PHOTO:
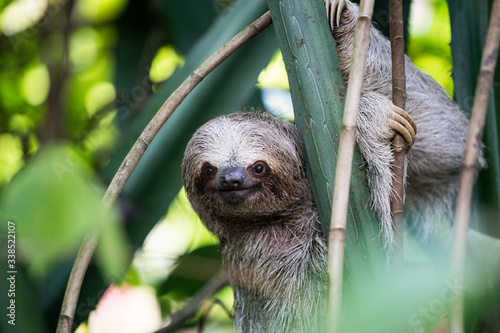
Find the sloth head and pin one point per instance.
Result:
(245, 167)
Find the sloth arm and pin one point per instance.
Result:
(379, 119)
(398, 120)
(374, 138)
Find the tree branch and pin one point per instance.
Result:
(78, 271)
(398, 143)
(344, 162)
(128, 165)
(470, 162)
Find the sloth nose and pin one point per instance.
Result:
(232, 178)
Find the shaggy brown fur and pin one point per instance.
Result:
(244, 175)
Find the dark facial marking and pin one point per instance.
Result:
(209, 169)
(207, 174)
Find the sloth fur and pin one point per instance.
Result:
(434, 162)
(245, 177)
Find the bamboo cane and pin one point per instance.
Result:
(344, 162)
(398, 143)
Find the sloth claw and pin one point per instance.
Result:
(334, 9)
(402, 123)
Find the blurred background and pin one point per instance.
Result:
(80, 79)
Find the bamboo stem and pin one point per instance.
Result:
(344, 162)
(128, 165)
(398, 143)
(470, 162)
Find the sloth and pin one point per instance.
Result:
(245, 177)
(434, 162)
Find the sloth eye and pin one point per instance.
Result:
(259, 168)
(209, 170)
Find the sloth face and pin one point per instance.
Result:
(245, 166)
(234, 184)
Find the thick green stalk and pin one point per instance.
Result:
(309, 53)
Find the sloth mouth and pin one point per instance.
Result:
(237, 195)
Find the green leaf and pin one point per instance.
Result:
(413, 302)
(484, 253)
(469, 24)
(112, 250)
(53, 201)
(418, 300)
(482, 286)
(309, 53)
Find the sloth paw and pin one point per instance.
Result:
(402, 123)
(334, 9)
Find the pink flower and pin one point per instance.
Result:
(126, 309)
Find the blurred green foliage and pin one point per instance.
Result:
(431, 51)
(43, 207)
(79, 79)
